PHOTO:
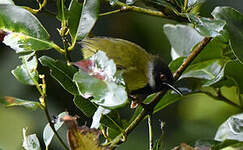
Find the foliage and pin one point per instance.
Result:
(205, 51)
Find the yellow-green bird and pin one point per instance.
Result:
(143, 73)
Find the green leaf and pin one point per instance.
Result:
(97, 116)
(107, 94)
(61, 72)
(234, 25)
(90, 13)
(231, 129)
(113, 2)
(193, 3)
(87, 107)
(12, 101)
(75, 10)
(205, 26)
(24, 32)
(7, 2)
(30, 142)
(236, 76)
(48, 132)
(181, 46)
(27, 72)
(224, 144)
(210, 63)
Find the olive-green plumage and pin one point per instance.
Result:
(142, 71)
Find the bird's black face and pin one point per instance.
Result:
(158, 74)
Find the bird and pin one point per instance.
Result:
(143, 72)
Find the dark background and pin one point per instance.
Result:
(196, 117)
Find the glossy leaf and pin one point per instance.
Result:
(231, 73)
(88, 18)
(24, 32)
(106, 94)
(130, 2)
(209, 64)
(27, 72)
(181, 46)
(97, 78)
(61, 72)
(97, 116)
(87, 107)
(234, 25)
(48, 132)
(205, 26)
(112, 2)
(193, 3)
(231, 129)
(12, 101)
(7, 2)
(75, 10)
(30, 142)
(224, 144)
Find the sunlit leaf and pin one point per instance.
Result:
(181, 46)
(61, 72)
(112, 2)
(12, 101)
(30, 142)
(234, 25)
(106, 94)
(88, 18)
(27, 72)
(130, 2)
(24, 32)
(205, 26)
(99, 80)
(6, 2)
(192, 3)
(82, 138)
(97, 116)
(224, 144)
(75, 10)
(231, 129)
(87, 107)
(48, 132)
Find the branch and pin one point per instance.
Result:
(124, 8)
(148, 108)
(44, 104)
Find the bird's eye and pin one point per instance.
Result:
(163, 77)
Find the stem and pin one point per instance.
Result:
(220, 97)
(44, 104)
(111, 12)
(185, 5)
(191, 57)
(148, 108)
(150, 132)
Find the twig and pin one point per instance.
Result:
(220, 97)
(125, 8)
(150, 132)
(44, 104)
(191, 57)
(149, 107)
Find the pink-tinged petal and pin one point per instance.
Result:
(2, 35)
(85, 65)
